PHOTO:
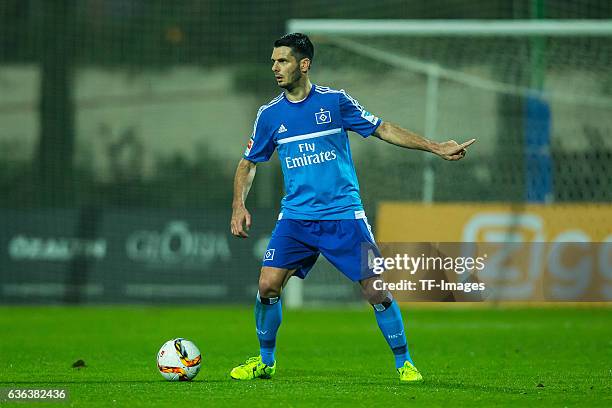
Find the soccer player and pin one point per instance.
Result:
(322, 211)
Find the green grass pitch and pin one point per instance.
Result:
(468, 356)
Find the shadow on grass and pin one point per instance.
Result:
(392, 381)
(472, 387)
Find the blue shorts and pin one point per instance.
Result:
(347, 244)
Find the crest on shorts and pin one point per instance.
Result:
(269, 255)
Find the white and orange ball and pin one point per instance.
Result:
(179, 360)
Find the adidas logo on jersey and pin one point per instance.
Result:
(282, 128)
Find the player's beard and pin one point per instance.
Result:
(293, 80)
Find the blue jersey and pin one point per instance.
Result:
(313, 147)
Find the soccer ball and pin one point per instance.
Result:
(179, 360)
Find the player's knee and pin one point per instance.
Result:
(269, 286)
(373, 295)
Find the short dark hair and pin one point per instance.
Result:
(299, 43)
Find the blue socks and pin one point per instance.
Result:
(268, 316)
(390, 321)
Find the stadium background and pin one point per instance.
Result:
(122, 122)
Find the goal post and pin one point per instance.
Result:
(358, 37)
(473, 78)
(425, 28)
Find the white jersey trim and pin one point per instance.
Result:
(309, 136)
(263, 108)
(364, 114)
(361, 215)
(324, 90)
(301, 100)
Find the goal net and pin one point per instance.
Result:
(519, 87)
(537, 96)
(123, 121)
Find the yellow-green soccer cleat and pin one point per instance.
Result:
(409, 373)
(253, 368)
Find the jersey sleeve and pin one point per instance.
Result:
(261, 144)
(355, 117)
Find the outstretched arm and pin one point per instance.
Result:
(394, 134)
(241, 218)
